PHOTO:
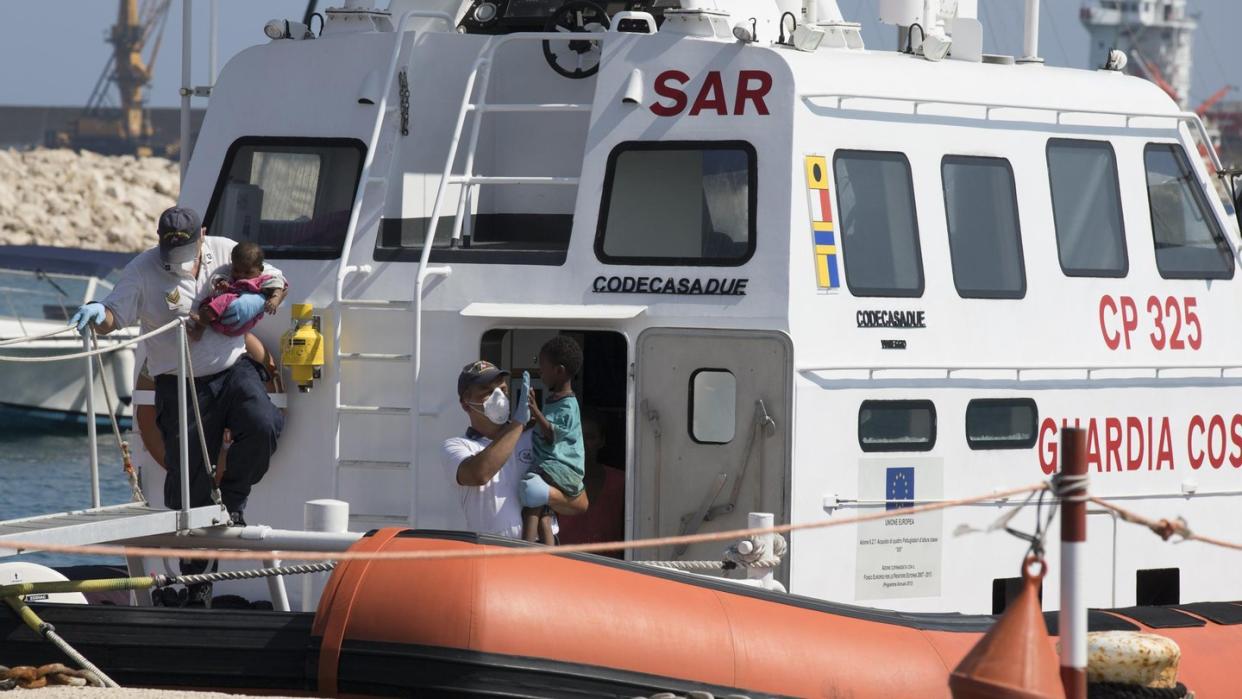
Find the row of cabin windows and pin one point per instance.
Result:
(694, 203)
(910, 425)
(880, 236)
(883, 425)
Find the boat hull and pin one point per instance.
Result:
(566, 626)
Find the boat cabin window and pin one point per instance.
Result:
(897, 425)
(1086, 208)
(984, 241)
(292, 196)
(1001, 423)
(713, 406)
(678, 203)
(879, 228)
(1189, 241)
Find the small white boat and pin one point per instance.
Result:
(40, 287)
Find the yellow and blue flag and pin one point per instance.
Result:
(822, 229)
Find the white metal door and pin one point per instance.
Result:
(712, 432)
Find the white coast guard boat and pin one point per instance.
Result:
(810, 278)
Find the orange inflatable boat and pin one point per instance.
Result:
(580, 625)
(564, 626)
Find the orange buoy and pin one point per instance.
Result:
(1016, 658)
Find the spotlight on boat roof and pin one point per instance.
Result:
(744, 31)
(277, 29)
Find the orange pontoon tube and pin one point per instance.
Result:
(588, 626)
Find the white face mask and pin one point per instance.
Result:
(496, 407)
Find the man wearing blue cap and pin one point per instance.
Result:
(166, 283)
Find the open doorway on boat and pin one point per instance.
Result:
(601, 390)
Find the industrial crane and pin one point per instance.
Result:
(126, 129)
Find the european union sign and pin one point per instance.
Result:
(899, 484)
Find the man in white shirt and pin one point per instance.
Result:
(165, 283)
(489, 463)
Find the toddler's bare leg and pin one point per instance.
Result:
(546, 535)
(530, 523)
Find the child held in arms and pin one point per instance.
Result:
(244, 276)
(557, 441)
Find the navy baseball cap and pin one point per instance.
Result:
(179, 231)
(477, 373)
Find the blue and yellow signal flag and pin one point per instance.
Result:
(822, 230)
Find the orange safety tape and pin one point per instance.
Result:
(731, 535)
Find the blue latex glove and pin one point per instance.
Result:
(243, 309)
(521, 410)
(88, 314)
(533, 491)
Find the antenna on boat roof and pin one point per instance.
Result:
(952, 26)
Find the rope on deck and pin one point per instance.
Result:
(102, 350)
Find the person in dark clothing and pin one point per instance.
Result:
(167, 282)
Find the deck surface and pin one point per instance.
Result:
(103, 524)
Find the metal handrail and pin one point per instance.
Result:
(344, 269)
(1191, 118)
(468, 106)
(89, 354)
(950, 369)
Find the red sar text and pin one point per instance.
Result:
(750, 89)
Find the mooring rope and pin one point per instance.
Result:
(208, 463)
(91, 353)
(1165, 528)
(31, 338)
(127, 463)
(491, 552)
(48, 631)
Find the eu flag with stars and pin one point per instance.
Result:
(900, 486)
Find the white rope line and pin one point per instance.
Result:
(494, 551)
(209, 464)
(32, 338)
(103, 350)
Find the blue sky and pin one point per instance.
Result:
(51, 51)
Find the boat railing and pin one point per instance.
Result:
(89, 353)
(1191, 119)
(947, 372)
(54, 291)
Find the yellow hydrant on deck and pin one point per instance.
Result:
(301, 347)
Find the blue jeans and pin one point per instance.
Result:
(234, 399)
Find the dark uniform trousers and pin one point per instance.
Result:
(234, 399)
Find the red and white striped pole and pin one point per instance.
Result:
(1073, 615)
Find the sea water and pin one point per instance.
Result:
(46, 469)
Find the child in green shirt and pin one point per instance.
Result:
(557, 441)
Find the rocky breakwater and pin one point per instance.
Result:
(83, 200)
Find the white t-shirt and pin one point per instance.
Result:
(151, 295)
(492, 508)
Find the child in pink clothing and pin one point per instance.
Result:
(245, 276)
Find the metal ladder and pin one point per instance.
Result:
(469, 181)
(365, 214)
(479, 76)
